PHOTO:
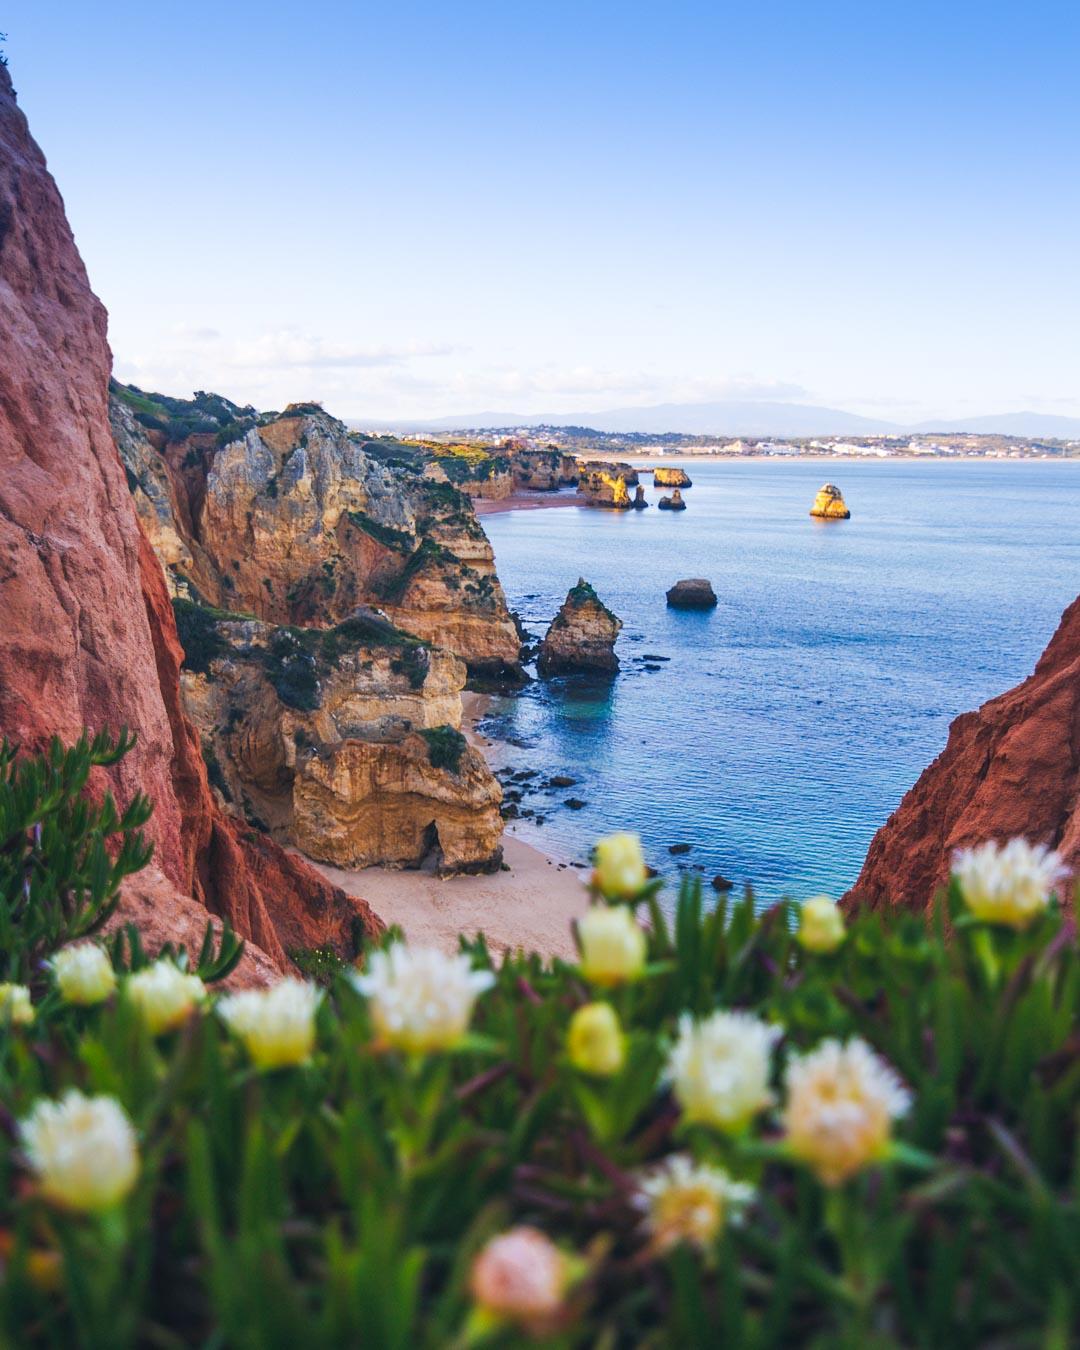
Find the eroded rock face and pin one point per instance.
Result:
(829, 504)
(605, 486)
(692, 593)
(88, 638)
(298, 522)
(673, 503)
(1010, 768)
(671, 477)
(543, 470)
(581, 636)
(292, 720)
(357, 802)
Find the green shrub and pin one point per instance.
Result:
(197, 628)
(291, 669)
(445, 746)
(344, 1200)
(398, 540)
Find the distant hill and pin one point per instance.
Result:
(749, 418)
(1045, 425)
(692, 419)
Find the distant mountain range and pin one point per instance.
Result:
(749, 418)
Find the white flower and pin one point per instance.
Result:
(82, 1149)
(719, 1068)
(620, 867)
(165, 995)
(83, 973)
(15, 1005)
(1009, 885)
(613, 945)
(276, 1025)
(841, 1102)
(420, 998)
(690, 1202)
(821, 925)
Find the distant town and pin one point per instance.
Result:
(586, 440)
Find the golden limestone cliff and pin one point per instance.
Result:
(331, 600)
(671, 477)
(829, 504)
(606, 485)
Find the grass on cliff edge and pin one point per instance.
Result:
(343, 1201)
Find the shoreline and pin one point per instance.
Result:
(529, 904)
(525, 501)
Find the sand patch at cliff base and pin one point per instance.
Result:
(530, 907)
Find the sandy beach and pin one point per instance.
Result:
(529, 906)
(525, 501)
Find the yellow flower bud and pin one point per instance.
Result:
(821, 925)
(15, 1005)
(620, 867)
(613, 946)
(83, 974)
(83, 1151)
(165, 995)
(595, 1041)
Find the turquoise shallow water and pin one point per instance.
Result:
(790, 720)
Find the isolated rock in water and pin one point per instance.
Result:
(672, 503)
(88, 638)
(1011, 768)
(692, 593)
(607, 485)
(829, 504)
(582, 635)
(639, 502)
(671, 477)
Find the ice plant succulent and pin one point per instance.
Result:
(690, 1202)
(595, 1042)
(83, 973)
(521, 1278)
(1009, 884)
(82, 1150)
(619, 872)
(821, 925)
(841, 1102)
(421, 999)
(15, 1005)
(276, 1025)
(719, 1069)
(165, 995)
(613, 946)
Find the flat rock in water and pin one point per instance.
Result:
(692, 593)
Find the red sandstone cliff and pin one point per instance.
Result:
(1011, 768)
(88, 636)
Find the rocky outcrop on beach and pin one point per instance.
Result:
(581, 636)
(673, 503)
(280, 711)
(544, 470)
(605, 485)
(671, 477)
(829, 504)
(88, 638)
(692, 593)
(1010, 768)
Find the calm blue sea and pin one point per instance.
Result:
(789, 721)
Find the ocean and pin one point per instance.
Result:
(786, 724)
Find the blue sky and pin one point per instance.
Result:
(413, 209)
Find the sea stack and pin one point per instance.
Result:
(582, 635)
(829, 504)
(692, 593)
(673, 478)
(672, 503)
(639, 502)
